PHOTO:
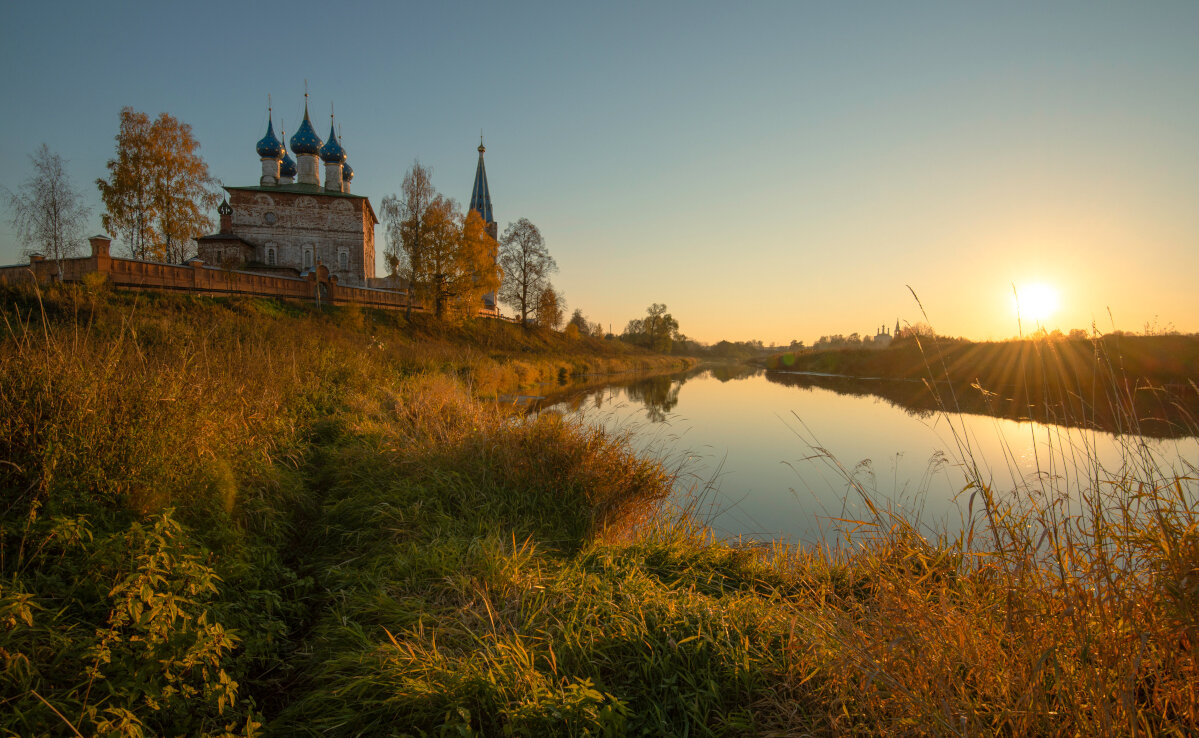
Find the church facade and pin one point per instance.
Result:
(292, 220)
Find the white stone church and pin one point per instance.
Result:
(293, 221)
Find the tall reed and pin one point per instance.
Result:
(1067, 606)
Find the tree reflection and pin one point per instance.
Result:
(729, 372)
(658, 394)
(1142, 410)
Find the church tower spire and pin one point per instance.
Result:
(480, 202)
(480, 196)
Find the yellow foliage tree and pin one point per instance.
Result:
(158, 187)
(551, 307)
(458, 266)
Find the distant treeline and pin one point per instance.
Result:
(1121, 383)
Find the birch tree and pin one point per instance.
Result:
(183, 191)
(47, 211)
(405, 220)
(158, 187)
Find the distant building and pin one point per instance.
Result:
(290, 222)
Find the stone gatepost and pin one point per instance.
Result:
(101, 253)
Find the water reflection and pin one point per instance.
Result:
(659, 395)
(1147, 411)
(785, 457)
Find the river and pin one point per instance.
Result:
(791, 458)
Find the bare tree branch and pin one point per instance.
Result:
(47, 211)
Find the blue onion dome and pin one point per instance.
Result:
(306, 141)
(269, 147)
(288, 167)
(332, 152)
(347, 173)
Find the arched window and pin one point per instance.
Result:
(343, 260)
(270, 257)
(307, 257)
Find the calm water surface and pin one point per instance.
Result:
(773, 457)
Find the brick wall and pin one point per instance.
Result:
(198, 278)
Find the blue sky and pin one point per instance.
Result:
(768, 170)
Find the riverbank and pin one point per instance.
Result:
(224, 515)
(1143, 385)
(1171, 360)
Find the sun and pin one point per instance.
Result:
(1035, 302)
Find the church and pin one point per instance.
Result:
(292, 220)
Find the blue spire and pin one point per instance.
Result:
(480, 196)
(305, 140)
(269, 147)
(332, 152)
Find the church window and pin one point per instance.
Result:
(343, 260)
(307, 257)
(270, 257)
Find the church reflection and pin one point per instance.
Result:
(1154, 412)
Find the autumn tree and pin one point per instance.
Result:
(47, 211)
(456, 264)
(183, 191)
(476, 269)
(405, 216)
(127, 191)
(579, 321)
(656, 331)
(551, 307)
(660, 327)
(447, 258)
(527, 266)
(158, 188)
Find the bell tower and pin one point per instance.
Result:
(480, 196)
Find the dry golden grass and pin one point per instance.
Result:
(223, 514)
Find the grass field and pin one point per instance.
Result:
(231, 518)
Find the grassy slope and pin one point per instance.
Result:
(222, 514)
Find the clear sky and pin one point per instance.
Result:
(769, 170)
